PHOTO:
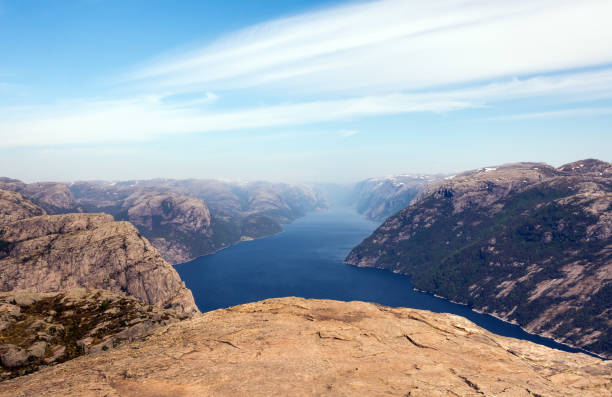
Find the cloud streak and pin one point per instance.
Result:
(396, 45)
(359, 60)
(147, 118)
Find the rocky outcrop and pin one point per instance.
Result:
(379, 198)
(14, 207)
(299, 347)
(50, 253)
(185, 219)
(54, 198)
(526, 242)
(42, 329)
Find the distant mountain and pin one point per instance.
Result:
(379, 198)
(526, 242)
(183, 219)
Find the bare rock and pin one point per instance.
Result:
(53, 197)
(13, 356)
(299, 347)
(14, 207)
(44, 253)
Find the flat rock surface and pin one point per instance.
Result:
(299, 347)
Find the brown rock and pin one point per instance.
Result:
(299, 347)
(59, 252)
(14, 207)
(54, 197)
(48, 253)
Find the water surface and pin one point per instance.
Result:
(306, 260)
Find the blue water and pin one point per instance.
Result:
(306, 260)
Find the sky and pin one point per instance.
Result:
(300, 91)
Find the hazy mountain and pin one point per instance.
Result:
(526, 242)
(183, 219)
(378, 198)
(189, 218)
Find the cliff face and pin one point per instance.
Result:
(379, 198)
(41, 329)
(526, 242)
(299, 347)
(57, 252)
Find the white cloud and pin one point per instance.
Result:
(396, 45)
(347, 133)
(358, 60)
(146, 118)
(575, 112)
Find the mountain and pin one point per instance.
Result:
(379, 198)
(525, 242)
(42, 329)
(55, 198)
(299, 347)
(183, 219)
(48, 253)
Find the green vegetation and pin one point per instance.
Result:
(472, 249)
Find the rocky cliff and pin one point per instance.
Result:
(526, 242)
(54, 198)
(189, 218)
(47, 253)
(379, 198)
(42, 329)
(299, 347)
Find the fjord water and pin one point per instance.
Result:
(306, 260)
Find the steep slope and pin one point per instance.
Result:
(41, 329)
(526, 242)
(189, 218)
(299, 347)
(379, 198)
(49, 253)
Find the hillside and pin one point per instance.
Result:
(526, 242)
(183, 219)
(42, 329)
(300, 347)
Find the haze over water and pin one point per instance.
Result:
(306, 260)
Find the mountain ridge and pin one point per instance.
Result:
(526, 242)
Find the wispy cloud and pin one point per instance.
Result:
(575, 112)
(146, 118)
(358, 60)
(395, 45)
(347, 133)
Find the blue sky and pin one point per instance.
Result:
(300, 90)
